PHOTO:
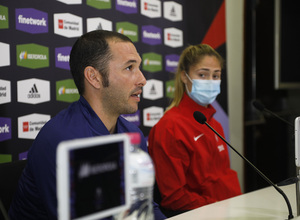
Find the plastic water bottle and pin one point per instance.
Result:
(142, 181)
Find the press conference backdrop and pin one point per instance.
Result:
(35, 42)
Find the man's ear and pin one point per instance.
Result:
(92, 76)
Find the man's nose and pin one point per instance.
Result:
(142, 80)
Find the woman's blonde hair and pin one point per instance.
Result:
(190, 56)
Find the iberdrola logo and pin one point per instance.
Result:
(146, 62)
(62, 90)
(4, 18)
(121, 30)
(128, 29)
(66, 91)
(32, 56)
(170, 88)
(152, 62)
(23, 55)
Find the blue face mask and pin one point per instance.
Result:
(204, 92)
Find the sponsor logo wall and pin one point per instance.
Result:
(35, 44)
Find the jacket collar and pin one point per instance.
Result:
(193, 106)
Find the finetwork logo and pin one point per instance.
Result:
(133, 118)
(23, 155)
(127, 6)
(31, 20)
(151, 35)
(152, 62)
(170, 89)
(71, 2)
(152, 115)
(172, 11)
(32, 56)
(67, 25)
(4, 55)
(98, 24)
(5, 129)
(173, 37)
(128, 29)
(171, 62)
(5, 91)
(153, 89)
(30, 125)
(33, 91)
(66, 91)
(62, 57)
(99, 4)
(151, 8)
(4, 23)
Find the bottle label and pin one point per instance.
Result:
(141, 170)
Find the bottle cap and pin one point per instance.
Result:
(135, 138)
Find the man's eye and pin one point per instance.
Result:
(129, 67)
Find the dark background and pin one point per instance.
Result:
(268, 142)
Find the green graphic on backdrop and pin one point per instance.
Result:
(128, 29)
(5, 158)
(3, 17)
(152, 62)
(66, 91)
(32, 56)
(99, 4)
(170, 88)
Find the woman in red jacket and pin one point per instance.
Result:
(192, 163)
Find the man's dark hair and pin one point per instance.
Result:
(92, 49)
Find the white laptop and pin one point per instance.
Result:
(93, 177)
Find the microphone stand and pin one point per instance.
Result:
(293, 180)
(290, 216)
(280, 118)
(298, 191)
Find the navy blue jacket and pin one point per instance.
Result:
(36, 194)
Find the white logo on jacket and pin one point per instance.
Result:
(221, 148)
(197, 137)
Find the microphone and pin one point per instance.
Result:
(259, 106)
(199, 117)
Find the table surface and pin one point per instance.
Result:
(265, 204)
